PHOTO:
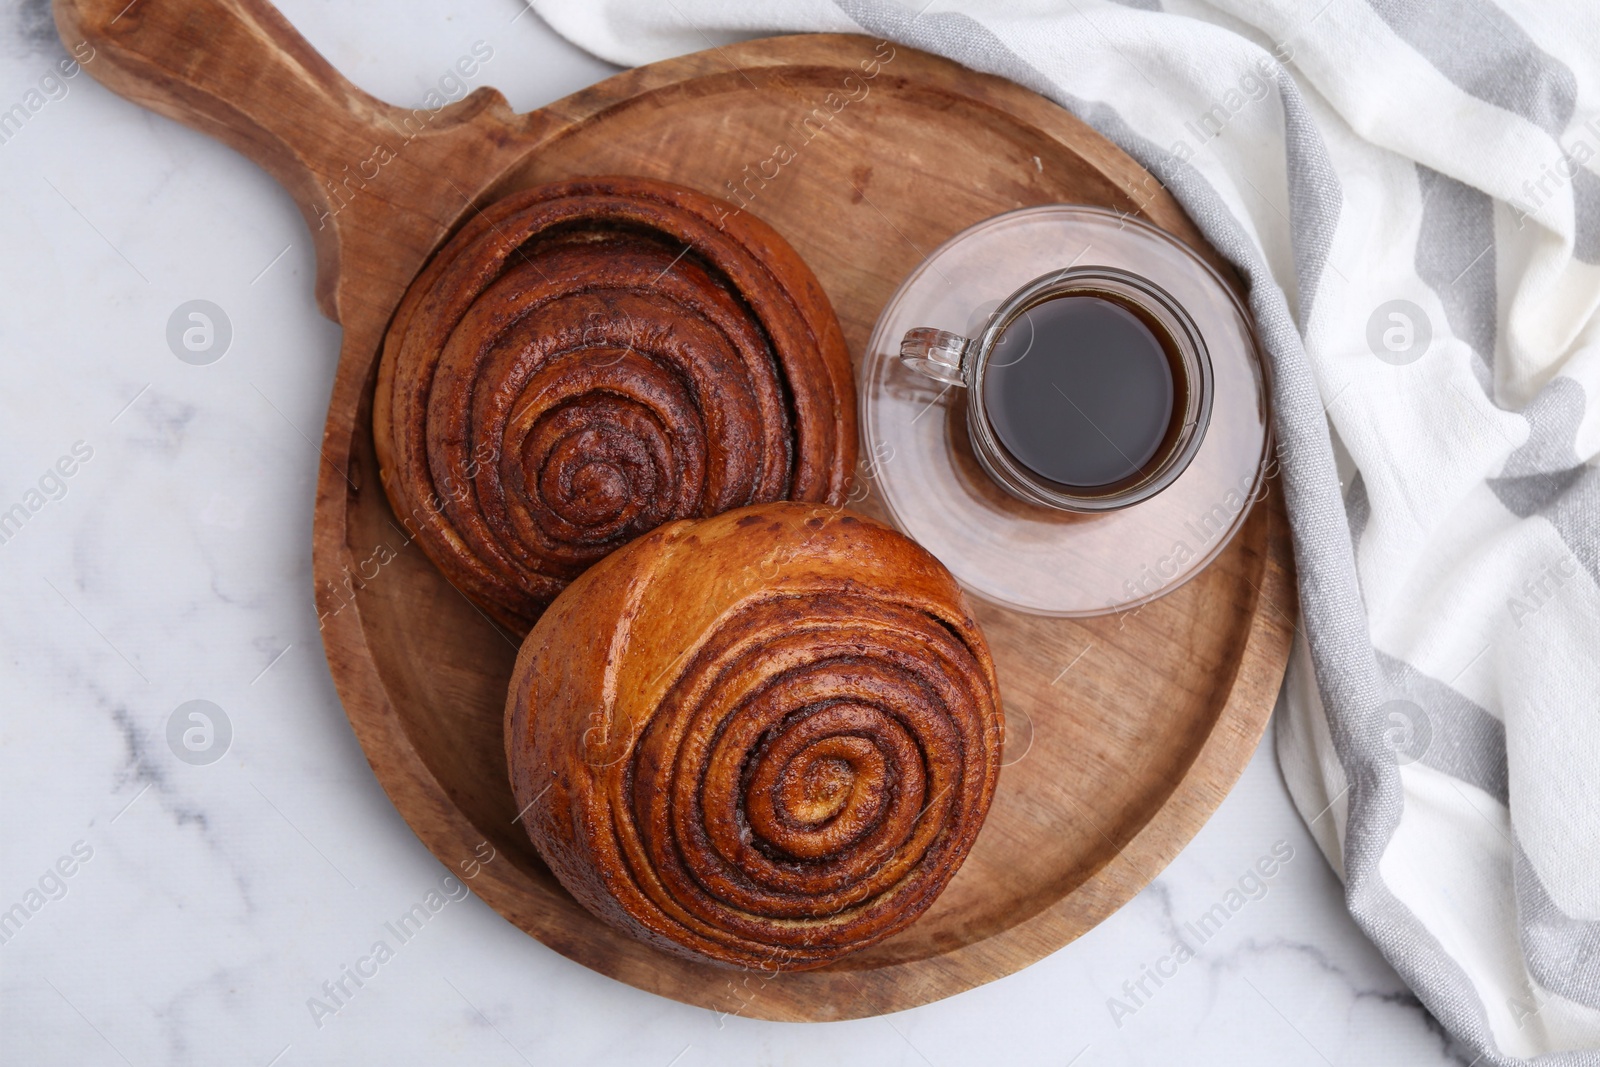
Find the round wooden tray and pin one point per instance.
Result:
(1139, 723)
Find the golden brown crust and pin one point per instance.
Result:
(588, 359)
(767, 738)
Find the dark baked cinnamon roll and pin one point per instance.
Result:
(587, 360)
(765, 739)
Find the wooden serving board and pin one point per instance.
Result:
(1132, 748)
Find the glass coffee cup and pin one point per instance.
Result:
(1089, 389)
(1055, 484)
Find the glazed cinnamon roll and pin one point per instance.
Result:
(765, 739)
(587, 360)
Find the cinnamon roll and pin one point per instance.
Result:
(589, 359)
(763, 739)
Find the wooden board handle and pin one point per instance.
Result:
(237, 70)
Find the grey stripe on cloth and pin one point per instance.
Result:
(1553, 415)
(1357, 507)
(1545, 477)
(1484, 53)
(1455, 257)
(1335, 623)
(1586, 208)
(1545, 465)
(1456, 736)
(1563, 953)
(1576, 516)
(1314, 195)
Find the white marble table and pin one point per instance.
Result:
(208, 903)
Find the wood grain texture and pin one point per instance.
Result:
(1140, 722)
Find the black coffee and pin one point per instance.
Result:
(1080, 390)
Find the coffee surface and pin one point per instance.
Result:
(1080, 390)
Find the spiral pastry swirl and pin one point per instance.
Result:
(587, 360)
(763, 739)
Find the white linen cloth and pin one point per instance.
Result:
(1412, 191)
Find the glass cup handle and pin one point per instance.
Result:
(938, 354)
